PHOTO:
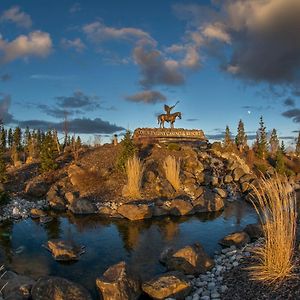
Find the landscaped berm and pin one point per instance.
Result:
(171, 178)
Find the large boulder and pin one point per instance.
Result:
(119, 283)
(169, 285)
(208, 202)
(59, 289)
(15, 287)
(191, 260)
(179, 207)
(37, 187)
(82, 206)
(238, 239)
(255, 231)
(238, 173)
(135, 212)
(64, 251)
(56, 201)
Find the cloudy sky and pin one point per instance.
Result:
(110, 65)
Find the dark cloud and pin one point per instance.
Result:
(79, 126)
(56, 112)
(155, 69)
(293, 114)
(192, 120)
(5, 77)
(149, 97)
(5, 116)
(289, 102)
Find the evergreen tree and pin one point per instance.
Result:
(298, 145)
(3, 137)
(274, 142)
(241, 137)
(10, 138)
(27, 137)
(48, 153)
(262, 144)
(3, 174)
(17, 138)
(227, 139)
(78, 142)
(128, 150)
(279, 162)
(282, 147)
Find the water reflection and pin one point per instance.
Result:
(108, 241)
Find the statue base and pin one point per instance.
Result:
(169, 135)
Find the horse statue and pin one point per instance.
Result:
(170, 118)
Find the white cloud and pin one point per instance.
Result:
(216, 31)
(76, 44)
(37, 43)
(15, 15)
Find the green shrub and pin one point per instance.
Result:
(173, 147)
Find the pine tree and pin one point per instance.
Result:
(3, 174)
(227, 139)
(128, 150)
(274, 141)
(282, 147)
(17, 138)
(48, 153)
(262, 143)
(27, 137)
(10, 138)
(279, 162)
(298, 145)
(2, 137)
(78, 142)
(241, 137)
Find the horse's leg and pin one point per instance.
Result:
(163, 124)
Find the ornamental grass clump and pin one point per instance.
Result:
(276, 206)
(172, 170)
(134, 170)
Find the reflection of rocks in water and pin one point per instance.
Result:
(236, 209)
(169, 229)
(208, 216)
(53, 229)
(6, 240)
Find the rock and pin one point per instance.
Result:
(14, 286)
(238, 239)
(214, 181)
(56, 202)
(119, 283)
(37, 213)
(159, 211)
(82, 206)
(63, 250)
(222, 193)
(172, 284)
(180, 207)
(134, 212)
(58, 288)
(36, 188)
(238, 173)
(45, 219)
(228, 179)
(191, 260)
(247, 178)
(208, 201)
(71, 197)
(254, 231)
(245, 187)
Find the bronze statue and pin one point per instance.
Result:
(168, 117)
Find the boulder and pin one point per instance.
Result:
(119, 283)
(208, 202)
(221, 192)
(37, 213)
(255, 231)
(71, 197)
(238, 173)
(36, 188)
(228, 179)
(169, 285)
(14, 286)
(247, 178)
(82, 206)
(179, 207)
(135, 212)
(191, 260)
(245, 187)
(55, 200)
(238, 239)
(159, 211)
(58, 288)
(63, 250)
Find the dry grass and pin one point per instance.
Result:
(276, 207)
(134, 170)
(172, 169)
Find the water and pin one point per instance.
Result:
(110, 241)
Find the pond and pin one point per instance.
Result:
(109, 241)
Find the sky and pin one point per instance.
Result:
(108, 66)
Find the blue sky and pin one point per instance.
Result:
(111, 65)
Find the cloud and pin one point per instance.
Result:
(37, 43)
(15, 15)
(78, 126)
(99, 32)
(293, 114)
(75, 44)
(55, 112)
(5, 77)
(76, 7)
(289, 102)
(148, 97)
(155, 69)
(78, 100)
(5, 102)
(216, 31)
(192, 120)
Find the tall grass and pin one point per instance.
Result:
(276, 206)
(172, 170)
(134, 170)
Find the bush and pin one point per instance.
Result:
(263, 168)
(173, 147)
(134, 171)
(276, 206)
(172, 170)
